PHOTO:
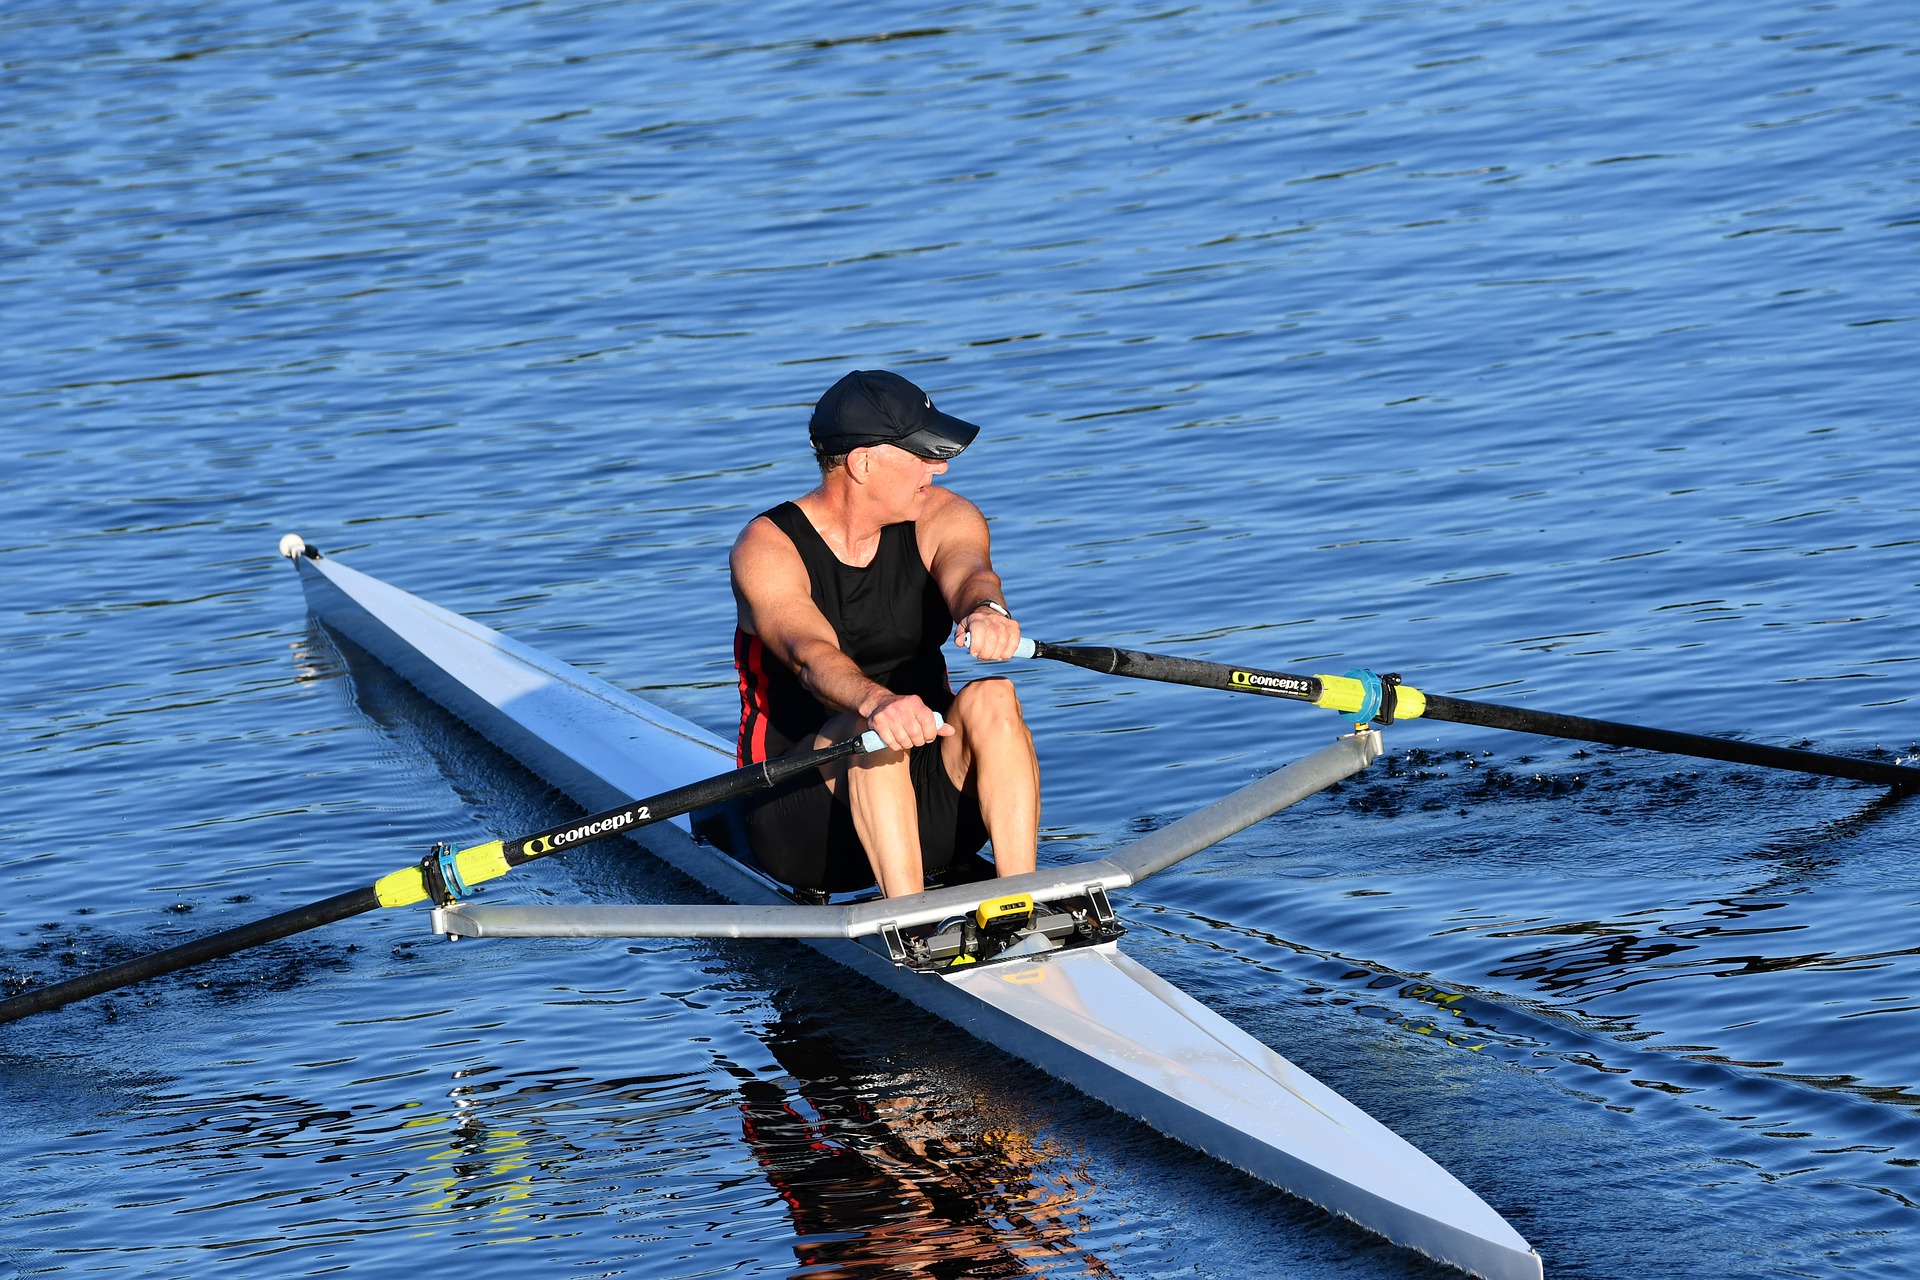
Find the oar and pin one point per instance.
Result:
(443, 875)
(1383, 699)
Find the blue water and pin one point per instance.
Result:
(1557, 354)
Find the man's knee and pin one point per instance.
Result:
(839, 728)
(989, 703)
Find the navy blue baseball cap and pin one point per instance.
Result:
(873, 406)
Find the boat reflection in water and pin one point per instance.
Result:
(880, 1182)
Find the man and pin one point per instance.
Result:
(845, 597)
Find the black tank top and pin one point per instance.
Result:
(890, 618)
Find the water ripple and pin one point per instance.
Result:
(1550, 352)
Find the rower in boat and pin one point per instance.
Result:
(845, 597)
(1030, 964)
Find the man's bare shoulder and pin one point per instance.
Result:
(946, 509)
(952, 535)
(762, 548)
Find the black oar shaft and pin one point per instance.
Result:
(1280, 684)
(703, 794)
(1552, 724)
(668, 804)
(188, 954)
(1190, 671)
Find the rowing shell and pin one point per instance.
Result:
(1086, 1014)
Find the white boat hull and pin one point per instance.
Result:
(1089, 1015)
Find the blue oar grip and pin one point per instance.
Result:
(1024, 648)
(871, 741)
(1371, 692)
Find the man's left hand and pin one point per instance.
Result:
(990, 636)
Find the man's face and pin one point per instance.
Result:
(901, 479)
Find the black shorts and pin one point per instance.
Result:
(802, 834)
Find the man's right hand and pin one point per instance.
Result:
(904, 722)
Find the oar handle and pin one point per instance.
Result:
(1024, 647)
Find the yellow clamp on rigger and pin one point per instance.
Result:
(1011, 909)
(408, 885)
(1350, 695)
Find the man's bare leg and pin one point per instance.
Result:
(886, 815)
(991, 747)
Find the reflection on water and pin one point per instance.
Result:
(870, 1172)
(881, 1182)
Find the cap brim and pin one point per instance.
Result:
(942, 438)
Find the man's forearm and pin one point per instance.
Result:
(903, 721)
(836, 680)
(981, 585)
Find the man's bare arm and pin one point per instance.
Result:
(955, 540)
